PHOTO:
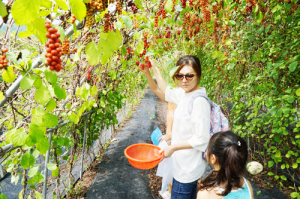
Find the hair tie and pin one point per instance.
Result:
(238, 143)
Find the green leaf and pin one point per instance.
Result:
(169, 6)
(46, 3)
(138, 3)
(61, 141)
(8, 74)
(216, 54)
(58, 151)
(109, 43)
(51, 166)
(293, 66)
(38, 195)
(94, 90)
(259, 17)
(74, 118)
(36, 133)
(295, 165)
(283, 177)
(25, 11)
(60, 93)
(42, 95)
(92, 53)
(162, 40)
(118, 25)
(291, 99)
(270, 173)
(18, 137)
(62, 4)
(3, 12)
(1, 96)
(298, 92)
(270, 163)
(38, 83)
(61, 31)
(112, 74)
(37, 27)
(27, 160)
(231, 22)
(49, 120)
(51, 76)
(33, 171)
(3, 196)
(140, 47)
(43, 145)
(27, 82)
(51, 105)
(55, 172)
(127, 21)
(294, 194)
(78, 9)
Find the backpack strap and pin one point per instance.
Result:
(198, 94)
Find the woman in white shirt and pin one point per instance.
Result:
(190, 134)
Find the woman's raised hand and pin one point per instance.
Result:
(144, 69)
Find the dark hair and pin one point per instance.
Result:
(189, 60)
(231, 153)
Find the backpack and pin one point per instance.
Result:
(218, 121)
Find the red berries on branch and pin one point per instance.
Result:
(73, 18)
(66, 47)
(147, 62)
(3, 60)
(183, 3)
(53, 52)
(106, 22)
(119, 8)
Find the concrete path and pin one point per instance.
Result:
(116, 178)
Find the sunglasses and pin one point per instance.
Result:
(188, 77)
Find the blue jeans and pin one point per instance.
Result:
(184, 190)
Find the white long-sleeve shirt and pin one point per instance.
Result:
(188, 164)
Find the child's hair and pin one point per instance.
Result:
(231, 154)
(189, 60)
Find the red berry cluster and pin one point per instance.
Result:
(3, 60)
(128, 50)
(146, 44)
(224, 38)
(173, 1)
(206, 14)
(168, 36)
(73, 18)
(191, 3)
(156, 19)
(111, 27)
(88, 77)
(147, 62)
(183, 3)
(119, 8)
(106, 22)
(53, 51)
(134, 8)
(65, 47)
(163, 12)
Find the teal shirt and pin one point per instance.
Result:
(241, 193)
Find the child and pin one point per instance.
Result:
(227, 153)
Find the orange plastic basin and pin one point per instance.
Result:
(143, 156)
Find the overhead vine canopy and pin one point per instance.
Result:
(60, 59)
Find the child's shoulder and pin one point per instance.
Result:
(211, 194)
